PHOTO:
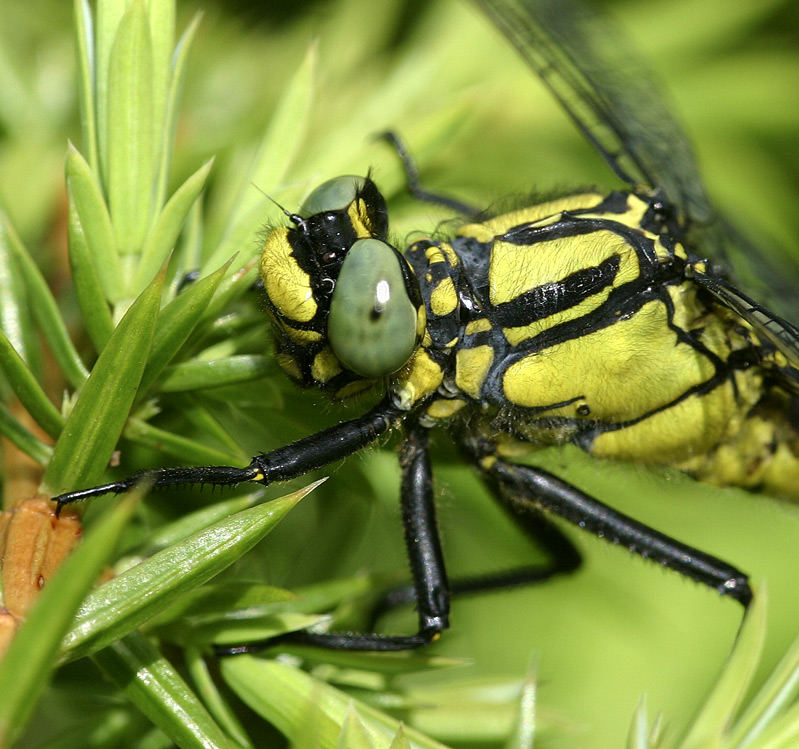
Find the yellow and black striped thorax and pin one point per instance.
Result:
(576, 320)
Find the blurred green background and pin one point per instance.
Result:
(482, 128)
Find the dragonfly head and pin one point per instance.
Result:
(344, 302)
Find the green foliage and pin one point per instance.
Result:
(179, 146)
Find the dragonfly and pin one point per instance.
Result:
(603, 320)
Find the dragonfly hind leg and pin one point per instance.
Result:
(529, 486)
(563, 558)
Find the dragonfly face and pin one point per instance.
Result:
(343, 302)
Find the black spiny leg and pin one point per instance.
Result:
(426, 562)
(414, 185)
(564, 557)
(526, 484)
(282, 464)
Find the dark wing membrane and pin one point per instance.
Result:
(609, 93)
(773, 330)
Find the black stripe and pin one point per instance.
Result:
(622, 303)
(569, 226)
(584, 432)
(557, 296)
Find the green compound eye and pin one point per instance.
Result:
(372, 323)
(334, 195)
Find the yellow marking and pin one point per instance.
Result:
(780, 474)
(433, 254)
(444, 298)
(443, 408)
(302, 336)
(450, 344)
(477, 326)
(290, 366)
(661, 251)
(325, 365)
(739, 461)
(761, 450)
(515, 269)
(762, 456)
(641, 353)
(421, 321)
(631, 217)
(779, 358)
(359, 219)
(635, 214)
(442, 254)
(691, 427)
(351, 389)
(452, 258)
(487, 463)
(655, 368)
(709, 327)
(471, 367)
(417, 379)
(287, 285)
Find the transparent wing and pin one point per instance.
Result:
(773, 330)
(609, 93)
(614, 100)
(773, 276)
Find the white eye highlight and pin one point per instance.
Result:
(372, 322)
(382, 296)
